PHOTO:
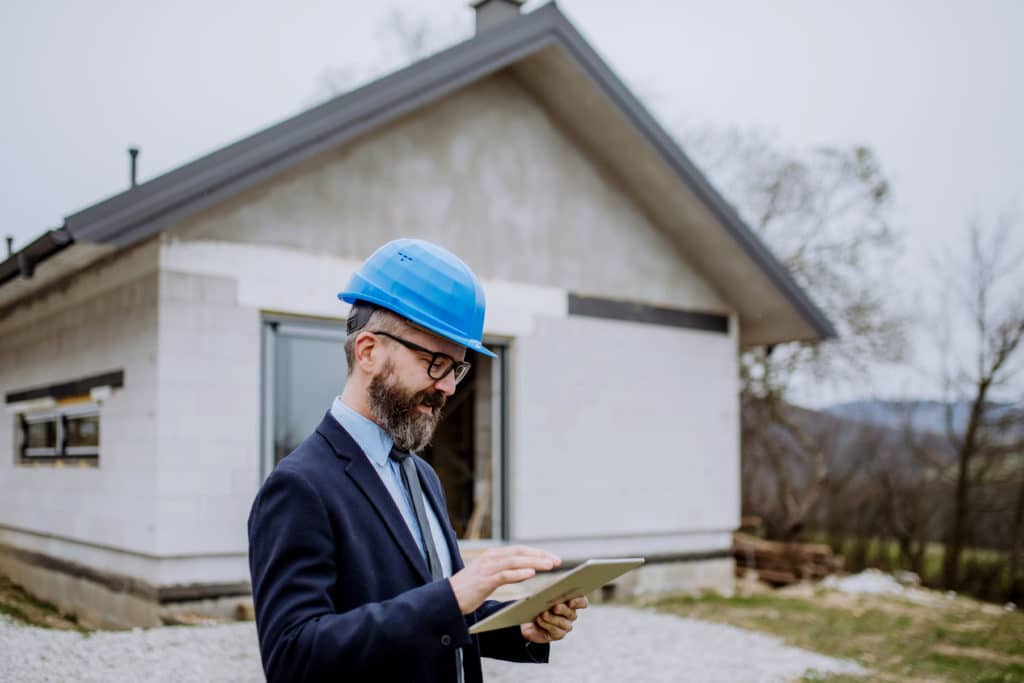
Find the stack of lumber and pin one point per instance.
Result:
(782, 564)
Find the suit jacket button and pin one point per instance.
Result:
(446, 640)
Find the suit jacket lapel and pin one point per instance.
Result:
(361, 471)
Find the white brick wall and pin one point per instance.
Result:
(103, 320)
(624, 430)
(209, 398)
(179, 460)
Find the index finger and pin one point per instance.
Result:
(526, 561)
(528, 551)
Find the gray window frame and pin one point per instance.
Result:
(60, 452)
(273, 325)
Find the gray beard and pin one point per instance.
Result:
(395, 410)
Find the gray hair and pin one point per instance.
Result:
(380, 319)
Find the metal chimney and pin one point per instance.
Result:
(10, 246)
(491, 13)
(133, 152)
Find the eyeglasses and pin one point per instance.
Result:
(440, 363)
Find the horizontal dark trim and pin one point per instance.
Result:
(119, 583)
(202, 591)
(610, 309)
(50, 460)
(78, 387)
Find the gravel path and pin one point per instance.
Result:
(609, 644)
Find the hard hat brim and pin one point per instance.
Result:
(419, 320)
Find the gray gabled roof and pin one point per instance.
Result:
(144, 210)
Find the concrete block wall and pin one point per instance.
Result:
(179, 460)
(103, 319)
(209, 427)
(627, 434)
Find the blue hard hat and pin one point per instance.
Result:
(426, 284)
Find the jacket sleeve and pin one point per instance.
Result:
(508, 643)
(301, 637)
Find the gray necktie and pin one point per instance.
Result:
(411, 480)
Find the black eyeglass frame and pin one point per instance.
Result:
(460, 368)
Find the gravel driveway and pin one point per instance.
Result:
(609, 644)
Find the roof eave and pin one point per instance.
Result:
(24, 262)
(133, 214)
(613, 87)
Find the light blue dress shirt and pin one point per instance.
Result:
(376, 443)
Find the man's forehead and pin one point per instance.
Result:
(434, 341)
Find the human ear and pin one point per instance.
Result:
(366, 352)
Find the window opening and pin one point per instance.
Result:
(69, 431)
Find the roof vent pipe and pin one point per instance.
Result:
(491, 13)
(133, 152)
(10, 246)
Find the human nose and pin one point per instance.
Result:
(446, 385)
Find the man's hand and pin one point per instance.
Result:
(553, 624)
(496, 567)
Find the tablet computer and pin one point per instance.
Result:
(585, 578)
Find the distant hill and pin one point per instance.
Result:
(924, 416)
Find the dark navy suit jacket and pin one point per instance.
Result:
(341, 590)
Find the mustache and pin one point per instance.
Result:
(432, 399)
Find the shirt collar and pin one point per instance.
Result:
(374, 441)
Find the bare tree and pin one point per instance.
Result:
(1017, 541)
(983, 359)
(912, 477)
(824, 213)
(414, 37)
(403, 39)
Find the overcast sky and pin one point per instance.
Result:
(935, 87)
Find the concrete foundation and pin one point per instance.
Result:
(95, 605)
(108, 600)
(99, 606)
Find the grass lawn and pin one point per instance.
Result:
(984, 573)
(899, 640)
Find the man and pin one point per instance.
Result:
(356, 573)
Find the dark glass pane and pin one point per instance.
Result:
(83, 431)
(42, 434)
(462, 453)
(308, 374)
